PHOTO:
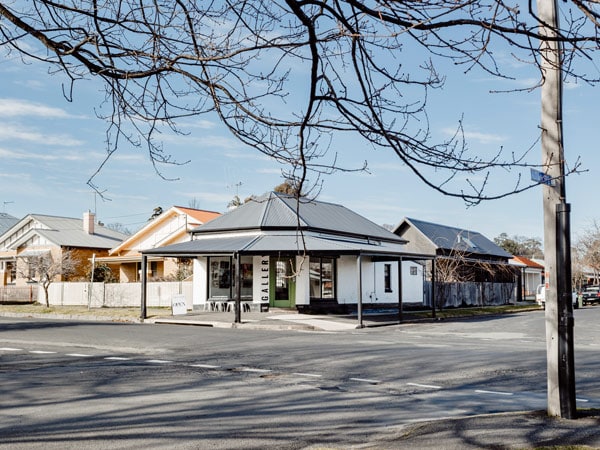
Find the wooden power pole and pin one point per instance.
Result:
(557, 246)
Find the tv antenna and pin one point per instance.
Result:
(4, 206)
(237, 187)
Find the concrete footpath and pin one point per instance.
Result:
(274, 319)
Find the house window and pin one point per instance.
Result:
(151, 270)
(31, 271)
(322, 278)
(11, 270)
(413, 270)
(387, 277)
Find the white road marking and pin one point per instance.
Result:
(426, 386)
(10, 349)
(313, 375)
(365, 380)
(251, 369)
(205, 366)
(41, 352)
(117, 358)
(158, 361)
(79, 355)
(493, 392)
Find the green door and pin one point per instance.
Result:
(283, 284)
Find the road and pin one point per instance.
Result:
(97, 385)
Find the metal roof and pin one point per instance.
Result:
(277, 211)
(270, 242)
(458, 239)
(6, 222)
(69, 232)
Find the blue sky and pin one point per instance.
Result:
(50, 147)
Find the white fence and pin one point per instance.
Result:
(116, 295)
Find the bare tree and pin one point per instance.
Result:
(578, 271)
(117, 226)
(344, 63)
(45, 269)
(457, 268)
(588, 249)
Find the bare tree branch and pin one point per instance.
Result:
(347, 67)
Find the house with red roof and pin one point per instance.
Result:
(531, 275)
(170, 227)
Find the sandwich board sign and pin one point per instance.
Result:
(178, 305)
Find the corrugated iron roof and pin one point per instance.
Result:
(6, 222)
(268, 242)
(277, 211)
(453, 238)
(69, 232)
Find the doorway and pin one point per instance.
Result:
(283, 283)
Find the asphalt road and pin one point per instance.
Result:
(98, 385)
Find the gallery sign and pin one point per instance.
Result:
(264, 279)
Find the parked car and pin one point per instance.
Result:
(590, 295)
(540, 297)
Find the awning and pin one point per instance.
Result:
(122, 259)
(282, 242)
(33, 253)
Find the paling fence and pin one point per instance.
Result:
(18, 294)
(115, 295)
(471, 294)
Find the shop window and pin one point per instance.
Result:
(222, 272)
(322, 278)
(220, 277)
(387, 277)
(247, 276)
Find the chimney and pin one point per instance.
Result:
(88, 222)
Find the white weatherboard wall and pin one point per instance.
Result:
(163, 231)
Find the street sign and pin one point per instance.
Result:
(541, 177)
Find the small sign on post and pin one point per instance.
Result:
(541, 177)
(178, 305)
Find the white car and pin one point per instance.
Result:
(540, 297)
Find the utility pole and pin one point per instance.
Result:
(557, 247)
